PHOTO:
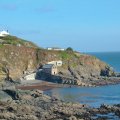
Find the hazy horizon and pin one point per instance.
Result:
(86, 26)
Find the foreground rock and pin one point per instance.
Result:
(106, 112)
(34, 105)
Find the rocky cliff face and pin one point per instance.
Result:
(86, 67)
(17, 59)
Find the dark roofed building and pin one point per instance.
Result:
(50, 69)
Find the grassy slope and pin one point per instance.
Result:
(13, 40)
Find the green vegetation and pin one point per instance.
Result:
(69, 49)
(1, 45)
(65, 55)
(74, 65)
(12, 40)
(94, 57)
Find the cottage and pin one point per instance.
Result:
(4, 33)
(50, 69)
(57, 63)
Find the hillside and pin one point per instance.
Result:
(13, 40)
(16, 59)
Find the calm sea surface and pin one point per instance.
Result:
(111, 58)
(93, 96)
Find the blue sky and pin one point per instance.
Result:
(85, 25)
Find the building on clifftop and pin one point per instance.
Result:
(4, 33)
(55, 49)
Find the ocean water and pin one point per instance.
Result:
(111, 58)
(94, 96)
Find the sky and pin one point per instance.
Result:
(84, 25)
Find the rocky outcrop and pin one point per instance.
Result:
(106, 112)
(60, 79)
(86, 67)
(17, 60)
(34, 105)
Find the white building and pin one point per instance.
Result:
(30, 76)
(57, 63)
(4, 33)
(55, 48)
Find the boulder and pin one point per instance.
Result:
(4, 97)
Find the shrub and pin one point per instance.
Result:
(69, 49)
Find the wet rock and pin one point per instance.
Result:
(36, 93)
(4, 97)
(72, 118)
(34, 105)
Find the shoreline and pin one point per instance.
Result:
(44, 85)
(41, 85)
(24, 103)
(35, 105)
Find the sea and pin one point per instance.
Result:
(93, 96)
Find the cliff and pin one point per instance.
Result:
(18, 55)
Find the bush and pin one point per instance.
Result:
(69, 49)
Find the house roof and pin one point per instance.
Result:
(48, 65)
(4, 32)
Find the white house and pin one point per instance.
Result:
(55, 48)
(57, 63)
(4, 33)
